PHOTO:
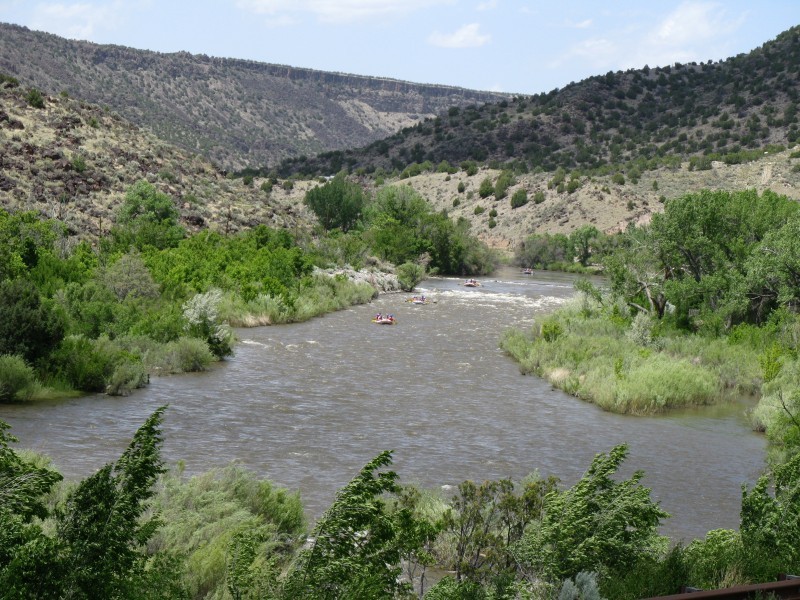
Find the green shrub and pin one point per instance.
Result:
(409, 275)
(34, 98)
(266, 186)
(185, 355)
(8, 80)
(127, 377)
(80, 364)
(79, 163)
(486, 188)
(15, 378)
(520, 198)
(456, 202)
(551, 330)
(461, 187)
(478, 210)
(618, 178)
(538, 197)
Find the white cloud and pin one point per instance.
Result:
(695, 23)
(488, 5)
(585, 24)
(597, 52)
(77, 20)
(468, 36)
(338, 11)
(696, 30)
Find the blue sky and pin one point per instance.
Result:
(516, 46)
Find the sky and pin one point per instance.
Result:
(513, 46)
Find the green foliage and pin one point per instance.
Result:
(519, 198)
(146, 219)
(470, 167)
(8, 80)
(721, 256)
(484, 523)
(618, 178)
(403, 228)
(29, 327)
(35, 98)
(551, 330)
(538, 197)
(601, 524)
(461, 187)
(337, 204)
(15, 377)
(78, 163)
(582, 240)
(96, 547)
(543, 250)
(486, 187)
(409, 275)
(82, 363)
(504, 181)
(358, 543)
(229, 528)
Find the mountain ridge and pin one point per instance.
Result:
(237, 112)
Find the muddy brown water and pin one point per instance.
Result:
(307, 405)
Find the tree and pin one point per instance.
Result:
(599, 525)
(770, 522)
(486, 188)
(581, 240)
(29, 327)
(98, 548)
(102, 525)
(337, 204)
(520, 198)
(129, 277)
(147, 218)
(409, 275)
(358, 543)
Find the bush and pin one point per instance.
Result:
(486, 188)
(520, 198)
(409, 275)
(80, 364)
(35, 98)
(185, 355)
(461, 187)
(127, 377)
(538, 197)
(15, 378)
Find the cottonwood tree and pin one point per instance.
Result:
(337, 203)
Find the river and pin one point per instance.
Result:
(307, 405)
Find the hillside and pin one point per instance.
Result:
(628, 121)
(238, 113)
(73, 161)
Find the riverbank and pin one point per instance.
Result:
(627, 365)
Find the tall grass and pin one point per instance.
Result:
(598, 354)
(321, 294)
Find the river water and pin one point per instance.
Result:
(307, 405)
